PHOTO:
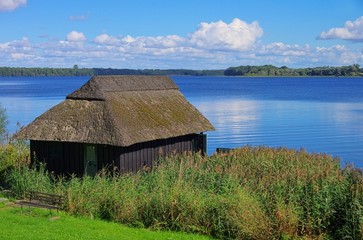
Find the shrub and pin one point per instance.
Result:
(13, 155)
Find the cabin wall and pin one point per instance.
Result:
(58, 157)
(68, 158)
(145, 155)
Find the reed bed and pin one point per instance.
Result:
(248, 193)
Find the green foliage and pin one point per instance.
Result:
(23, 179)
(248, 193)
(3, 124)
(13, 155)
(270, 70)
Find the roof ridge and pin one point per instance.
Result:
(97, 86)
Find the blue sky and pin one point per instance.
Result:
(193, 34)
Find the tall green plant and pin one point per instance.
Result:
(23, 179)
(3, 124)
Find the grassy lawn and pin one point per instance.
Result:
(32, 223)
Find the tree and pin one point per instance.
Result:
(3, 123)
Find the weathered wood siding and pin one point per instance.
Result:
(68, 158)
(145, 155)
(59, 157)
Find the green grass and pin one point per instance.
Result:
(32, 223)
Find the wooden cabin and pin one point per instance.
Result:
(123, 122)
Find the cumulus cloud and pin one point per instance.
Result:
(214, 45)
(235, 36)
(106, 39)
(17, 51)
(9, 5)
(295, 55)
(238, 35)
(352, 31)
(281, 49)
(75, 36)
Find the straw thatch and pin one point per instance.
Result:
(119, 111)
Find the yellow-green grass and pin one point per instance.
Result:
(33, 223)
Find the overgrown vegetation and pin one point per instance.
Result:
(249, 193)
(13, 153)
(3, 124)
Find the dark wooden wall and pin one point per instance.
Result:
(59, 157)
(145, 155)
(68, 157)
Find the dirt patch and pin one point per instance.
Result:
(54, 218)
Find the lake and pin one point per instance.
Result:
(317, 114)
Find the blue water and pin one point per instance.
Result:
(318, 114)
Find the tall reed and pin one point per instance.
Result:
(248, 193)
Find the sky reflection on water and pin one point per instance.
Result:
(315, 126)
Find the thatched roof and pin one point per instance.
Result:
(120, 111)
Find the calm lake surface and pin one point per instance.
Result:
(318, 114)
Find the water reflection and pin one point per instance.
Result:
(316, 126)
(22, 111)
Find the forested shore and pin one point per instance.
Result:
(266, 70)
(270, 70)
(75, 71)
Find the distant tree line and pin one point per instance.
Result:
(270, 70)
(265, 70)
(22, 71)
(75, 71)
(112, 71)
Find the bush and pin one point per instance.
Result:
(13, 153)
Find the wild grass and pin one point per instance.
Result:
(248, 193)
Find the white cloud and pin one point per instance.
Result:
(238, 35)
(352, 31)
(279, 48)
(235, 36)
(198, 50)
(19, 56)
(75, 36)
(9, 5)
(304, 55)
(106, 39)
